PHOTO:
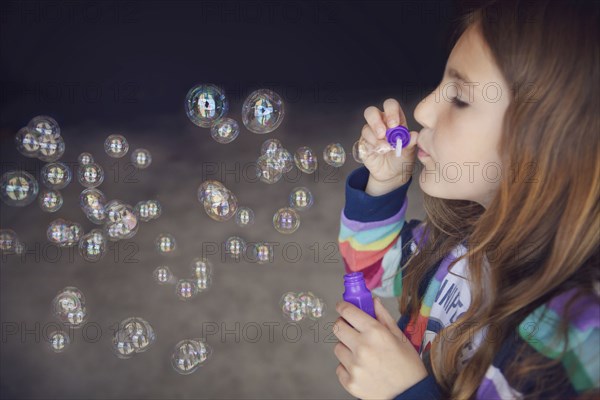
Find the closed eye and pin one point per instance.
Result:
(458, 103)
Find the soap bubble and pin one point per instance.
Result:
(121, 221)
(202, 273)
(301, 199)
(286, 220)
(317, 310)
(50, 200)
(51, 148)
(85, 158)
(263, 252)
(269, 147)
(148, 210)
(56, 175)
(334, 155)
(244, 216)
(163, 275)
(69, 307)
(235, 246)
(305, 160)
(165, 243)
(116, 146)
(186, 289)
(44, 126)
(64, 233)
(8, 241)
(284, 160)
(188, 355)
(219, 202)
(225, 130)
(92, 245)
(134, 335)
(58, 341)
(268, 170)
(296, 307)
(27, 142)
(263, 111)
(141, 158)
(205, 104)
(92, 201)
(90, 175)
(18, 188)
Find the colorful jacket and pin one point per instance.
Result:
(376, 239)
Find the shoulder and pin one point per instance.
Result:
(567, 328)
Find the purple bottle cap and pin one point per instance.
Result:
(399, 132)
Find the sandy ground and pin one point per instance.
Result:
(256, 352)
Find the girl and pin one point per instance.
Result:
(499, 286)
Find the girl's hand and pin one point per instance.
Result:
(376, 360)
(387, 172)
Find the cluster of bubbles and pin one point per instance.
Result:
(41, 139)
(121, 221)
(297, 306)
(148, 210)
(18, 188)
(189, 354)
(10, 243)
(286, 220)
(69, 307)
(64, 233)
(219, 202)
(187, 288)
(206, 106)
(274, 161)
(55, 176)
(134, 335)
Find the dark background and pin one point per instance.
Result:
(106, 67)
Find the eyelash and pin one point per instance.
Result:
(458, 103)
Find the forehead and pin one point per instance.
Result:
(472, 58)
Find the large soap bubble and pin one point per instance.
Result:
(263, 111)
(18, 188)
(51, 148)
(93, 245)
(205, 104)
(286, 220)
(45, 126)
(50, 200)
(334, 155)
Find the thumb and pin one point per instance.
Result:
(385, 318)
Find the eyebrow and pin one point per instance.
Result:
(457, 75)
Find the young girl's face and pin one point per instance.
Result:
(461, 139)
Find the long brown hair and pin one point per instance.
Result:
(539, 235)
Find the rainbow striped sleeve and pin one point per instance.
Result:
(370, 232)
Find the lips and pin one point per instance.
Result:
(422, 153)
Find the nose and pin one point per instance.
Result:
(425, 111)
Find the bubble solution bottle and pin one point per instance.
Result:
(357, 293)
(397, 139)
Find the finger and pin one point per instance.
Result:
(345, 333)
(343, 354)
(368, 135)
(343, 376)
(385, 318)
(374, 118)
(360, 320)
(394, 115)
